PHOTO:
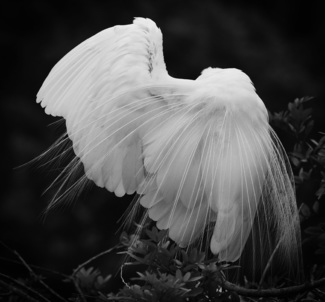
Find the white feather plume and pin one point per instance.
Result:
(199, 152)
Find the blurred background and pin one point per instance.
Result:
(279, 44)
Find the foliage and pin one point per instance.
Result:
(156, 269)
(172, 273)
(307, 156)
(91, 280)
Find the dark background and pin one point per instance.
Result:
(279, 44)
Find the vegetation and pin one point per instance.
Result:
(156, 269)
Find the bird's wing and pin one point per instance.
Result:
(102, 89)
(103, 66)
(130, 124)
(189, 148)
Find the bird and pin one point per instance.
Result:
(199, 154)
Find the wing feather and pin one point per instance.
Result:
(102, 89)
(195, 151)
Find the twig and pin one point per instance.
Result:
(76, 285)
(18, 291)
(75, 272)
(319, 293)
(90, 260)
(37, 278)
(33, 274)
(121, 276)
(275, 292)
(299, 297)
(24, 287)
(44, 269)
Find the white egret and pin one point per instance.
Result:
(198, 152)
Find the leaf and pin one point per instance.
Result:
(316, 206)
(304, 210)
(179, 263)
(186, 277)
(179, 274)
(295, 161)
(195, 292)
(194, 279)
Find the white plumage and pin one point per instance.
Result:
(198, 152)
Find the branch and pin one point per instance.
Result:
(274, 292)
(73, 276)
(76, 285)
(44, 269)
(18, 291)
(32, 273)
(26, 288)
(91, 260)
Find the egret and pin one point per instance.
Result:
(200, 154)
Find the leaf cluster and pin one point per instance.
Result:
(307, 156)
(171, 273)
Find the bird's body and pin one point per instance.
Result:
(198, 152)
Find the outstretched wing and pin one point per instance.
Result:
(102, 89)
(130, 124)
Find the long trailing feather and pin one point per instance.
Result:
(199, 154)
